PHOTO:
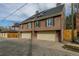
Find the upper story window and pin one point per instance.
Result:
(22, 27)
(50, 22)
(29, 25)
(37, 23)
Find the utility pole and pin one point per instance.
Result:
(63, 24)
(72, 19)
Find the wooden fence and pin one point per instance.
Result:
(68, 34)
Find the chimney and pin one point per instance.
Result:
(37, 12)
(58, 4)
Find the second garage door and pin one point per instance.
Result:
(26, 35)
(50, 36)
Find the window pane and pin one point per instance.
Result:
(29, 25)
(37, 24)
(49, 22)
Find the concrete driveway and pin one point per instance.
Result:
(22, 47)
(47, 48)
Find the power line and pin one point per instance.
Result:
(38, 6)
(18, 10)
(15, 11)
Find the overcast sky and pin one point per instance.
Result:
(22, 14)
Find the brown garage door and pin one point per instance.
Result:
(13, 35)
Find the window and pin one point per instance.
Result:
(37, 24)
(29, 25)
(50, 22)
(22, 27)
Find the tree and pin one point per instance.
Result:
(68, 21)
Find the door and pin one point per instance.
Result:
(50, 36)
(26, 35)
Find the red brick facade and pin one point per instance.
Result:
(56, 26)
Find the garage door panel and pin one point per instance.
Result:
(26, 35)
(50, 36)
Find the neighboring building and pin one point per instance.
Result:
(76, 18)
(3, 35)
(9, 34)
(15, 27)
(77, 23)
(45, 25)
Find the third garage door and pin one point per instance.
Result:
(50, 36)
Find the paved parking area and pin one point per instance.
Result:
(22, 47)
(47, 48)
(13, 48)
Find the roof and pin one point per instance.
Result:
(10, 31)
(44, 13)
(16, 25)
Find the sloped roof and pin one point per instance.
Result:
(16, 25)
(7, 31)
(51, 11)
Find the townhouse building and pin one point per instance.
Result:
(15, 26)
(45, 25)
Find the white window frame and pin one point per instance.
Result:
(49, 22)
(29, 25)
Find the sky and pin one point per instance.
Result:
(28, 10)
(67, 9)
